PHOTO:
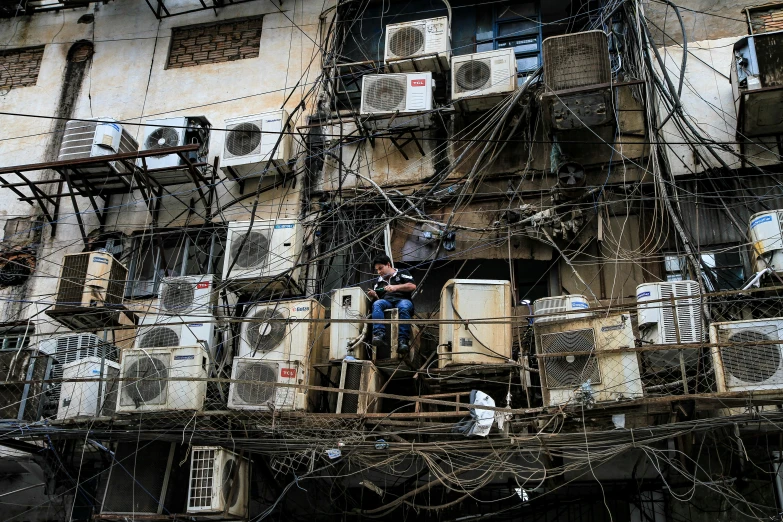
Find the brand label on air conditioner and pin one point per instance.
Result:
(101, 260)
(203, 284)
(184, 357)
(418, 83)
(300, 308)
(284, 226)
(758, 221)
(196, 325)
(579, 305)
(113, 126)
(643, 294)
(464, 341)
(288, 373)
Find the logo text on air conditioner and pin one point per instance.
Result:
(643, 294)
(101, 260)
(203, 284)
(758, 221)
(418, 83)
(579, 304)
(288, 373)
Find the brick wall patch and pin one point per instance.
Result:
(20, 67)
(214, 43)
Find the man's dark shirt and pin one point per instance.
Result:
(400, 277)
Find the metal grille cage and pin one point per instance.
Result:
(145, 382)
(178, 295)
(162, 138)
(576, 60)
(473, 75)
(202, 479)
(243, 139)
(254, 252)
(751, 363)
(570, 371)
(407, 41)
(385, 92)
(353, 381)
(688, 313)
(72, 282)
(266, 330)
(115, 291)
(159, 337)
(71, 348)
(255, 372)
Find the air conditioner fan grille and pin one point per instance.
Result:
(570, 371)
(407, 41)
(145, 382)
(254, 252)
(473, 75)
(256, 394)
(178, 295)
(243, 139)
(385, 93)
(750, 362)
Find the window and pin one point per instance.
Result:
(172, 253)
(19, 67)
(725, 269)
(15, 336)
(215, 43)
(511, 25)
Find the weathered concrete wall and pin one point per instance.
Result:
(703, 19)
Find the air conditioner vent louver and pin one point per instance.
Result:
(159, 337)
(751, 363)
(407, 41)
(229, 493)
(473, 75)
(256, 394)
(253, 253)
(144, 381)
(353, 381)
(177, 296)
(162, 138)
(570, 371)
(576, 60)
(264, 335)
(385, 92)
(243, 139)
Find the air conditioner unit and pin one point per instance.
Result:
(91, 139)
(159, 331)
(766, 235)
(578, 75)
(188, 295)
(360, 376)
(757, 86)
(250, 141)
(145, 386)
(175, 132)
(275, 331)
(426, 41)
(90, 280)
(480, 80)
(258, 388)
(560, 308)
(348, 303)
(219, 482)
(262, 252)
(576, 61)
(756, 363)
(84, 398)
(68, 349)
(145, 478)
(670, 312)
(612, 376)
(396, 93)
(23, 394)
(478, 343)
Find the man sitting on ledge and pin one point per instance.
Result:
(393, 289)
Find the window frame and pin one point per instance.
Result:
(715, 271)
(496, 39)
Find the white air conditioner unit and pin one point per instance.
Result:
(91, 139)
(82, 398)
(766, 235)
(175, 132)
(576, 61)
(146, 386)
(275, 331)
(90, 280)
(160, 331)
(396, 93)
(262, 252)
(188, 295)
(612, 376)
(219, 482)
(670, 312)
(480, 80)
(258, 388)
(250, 141)
(422, 45)
(560, 308)
(348, 303)
(67, 349)
(360, 376)
(479, 343)
(756, 362)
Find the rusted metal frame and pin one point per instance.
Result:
(34, 188)
(157, 12)
(37, 196)
(239, 180)
(64, 174)
(12, 186)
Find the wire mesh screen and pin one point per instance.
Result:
(71, 286)
(570, 370)
(353, 381)
(202, 479)
(576, 60)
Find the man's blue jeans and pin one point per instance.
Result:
(405, 307)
